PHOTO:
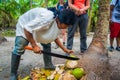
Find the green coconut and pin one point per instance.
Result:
(78, 72)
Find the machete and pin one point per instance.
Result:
(53, 54)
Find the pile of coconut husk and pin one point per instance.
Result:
(67, 71)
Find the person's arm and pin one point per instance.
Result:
(70, 4)
(84, 9)
(77, 10)
(30, 38)
(74, 8)
(111, 9)
(56, 6)
(87, 5)
(58, 42)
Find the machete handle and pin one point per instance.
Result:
(28, 48)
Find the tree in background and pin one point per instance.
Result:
(92, 12)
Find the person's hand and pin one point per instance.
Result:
(37, 49)
(77, 11)
(110, 20)
(81, 11)
(68, 51)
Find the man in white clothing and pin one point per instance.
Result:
(39, 25)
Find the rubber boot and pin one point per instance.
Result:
(47, 59)
(14, 66)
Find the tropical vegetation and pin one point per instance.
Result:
(10, 11)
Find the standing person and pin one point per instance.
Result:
(80, 8)
(39, 25)
(61, 5)
(114, 24)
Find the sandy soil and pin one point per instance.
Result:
(30, 60)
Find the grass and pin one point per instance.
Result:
(9, 33)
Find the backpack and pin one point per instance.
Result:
(64, 6)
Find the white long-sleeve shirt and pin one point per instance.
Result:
(40, 22)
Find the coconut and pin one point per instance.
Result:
(71, 64)
(78, 72)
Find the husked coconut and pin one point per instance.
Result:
(71, 64)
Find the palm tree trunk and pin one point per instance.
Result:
(95, 60)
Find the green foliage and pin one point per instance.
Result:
(94, 15)
(10, 10)
(8, 33)
(95, 10)
(52, 3)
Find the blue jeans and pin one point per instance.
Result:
(21, 42)
(81, 22)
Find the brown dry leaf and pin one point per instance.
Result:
(68, 76)
(83, 78)
(1, 69)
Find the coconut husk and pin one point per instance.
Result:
(68, 76)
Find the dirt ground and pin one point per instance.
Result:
(30, 60)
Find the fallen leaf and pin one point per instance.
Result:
(1, 69)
